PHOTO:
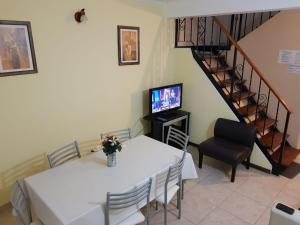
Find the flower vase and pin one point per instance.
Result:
(112, 160)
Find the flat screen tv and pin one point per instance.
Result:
(165, 99)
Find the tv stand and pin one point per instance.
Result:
(161, 122)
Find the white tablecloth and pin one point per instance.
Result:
(75, 193)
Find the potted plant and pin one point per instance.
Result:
(110, 145)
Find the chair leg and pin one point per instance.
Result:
(148, 209)
(200, 158)
(156, 205)
(248, 163)
(182, 192)
(179, 203)
(233, 174)
(165, 214)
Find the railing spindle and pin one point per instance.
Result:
(245, 25)
(288, 114)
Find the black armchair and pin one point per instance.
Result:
(232, 143)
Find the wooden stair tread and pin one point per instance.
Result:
(249, 110)
(220, 69)
(289, 155)
(237, 96)
(262, 123)
(227, 82)
(266, 140)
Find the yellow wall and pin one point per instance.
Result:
(204, 102)
(80, 90)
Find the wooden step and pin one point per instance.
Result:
(262, 123)
(288, 157)
(227, 82)
(266, 140)
(249, 110)
(238, 96)
(220, 69)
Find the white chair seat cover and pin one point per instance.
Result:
(133, 219)
(37, 223)
(171, 193)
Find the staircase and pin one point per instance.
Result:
(241, 84)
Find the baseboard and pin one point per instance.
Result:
(193, 144)
(263, 169)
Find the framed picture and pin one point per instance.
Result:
(17, 54)
(129, 45)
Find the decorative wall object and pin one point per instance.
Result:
(129, 45)
(17, 54)
(80, 16)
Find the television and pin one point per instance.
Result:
(165, 99)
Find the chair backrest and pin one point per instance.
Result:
(64, 154)
(20, 203)
(123, 135)
(177, 137)
(128, 199)
(241, 133)
(175, 172)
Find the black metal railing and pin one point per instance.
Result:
(190, 31)
(243, 24)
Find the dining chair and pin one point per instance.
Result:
(123, 135)
(64, 154)
(21, 205)
(121, 201)
(172, 185)
(179, 140)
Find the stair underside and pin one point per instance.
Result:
(289, 155)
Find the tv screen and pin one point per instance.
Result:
(165, 98)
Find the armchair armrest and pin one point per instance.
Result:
(283, 214)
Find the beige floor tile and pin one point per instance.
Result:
(244, 208)
(264, 219)
(287, 198)
(158, 218)
(262, 188)
(221, 217)
(195, 208)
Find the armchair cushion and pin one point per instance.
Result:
(225, 150)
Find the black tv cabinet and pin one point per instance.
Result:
(161, 122)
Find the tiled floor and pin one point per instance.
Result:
(214, 200)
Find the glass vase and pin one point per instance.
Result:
(112, 160)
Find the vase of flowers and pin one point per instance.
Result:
(110, 145)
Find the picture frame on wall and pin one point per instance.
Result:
(128, 45)
(17, 55)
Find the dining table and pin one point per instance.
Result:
(75, 193)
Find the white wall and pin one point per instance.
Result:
(186, 8)
(203, 101)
